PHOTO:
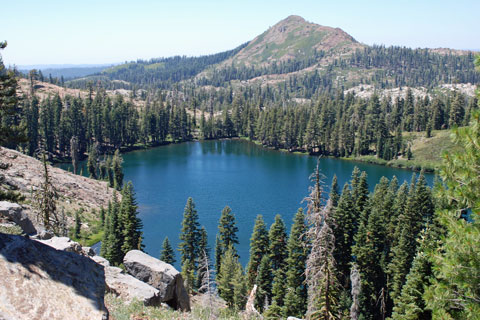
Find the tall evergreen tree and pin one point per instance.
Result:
(117, 170)
(167, 255)
(190, 238)
(264, 282)
(227, 275)
(321, 272)
(11, 132)
(258, 248)
(334, 195)
(227, 235)
(277, 236)
(454, 292)
(296, 292)
(344, 232)
(131, 225)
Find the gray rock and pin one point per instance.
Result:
(159, 275)
(40, 282)
(293, 318)
(88, 251)
(64, 244)
(13, 212)
(129, 288)
(101, 261)
(44, 234)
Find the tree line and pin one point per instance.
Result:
(340, 125)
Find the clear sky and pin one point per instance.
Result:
(109, 31)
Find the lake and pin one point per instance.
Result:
(250, 179)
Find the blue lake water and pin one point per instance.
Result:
(250, 179)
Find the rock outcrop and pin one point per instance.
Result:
(128, 288)
(24, 174)
(159, 275)
(40, 282)
(14, 212)
(64, 244)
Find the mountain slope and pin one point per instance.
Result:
(294, 38)
(301, 58)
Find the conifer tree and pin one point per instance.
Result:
(295, 302)
(92, 162)
(226, 277)
(264, 282)
(344, 232)
(278, 294)
(240, 290)
(117, 170)
(190, 238)
(258, 248)
(418, 211)
(113, 244)
(45, 199)
(11, 132)
(454, 292)
(167, 255)
(370, 254)
(277, 236)
(131, 225)
(410, 304)
(321, 273)
(227, 235)
(74, 153)
(334, 196)
(106, 232)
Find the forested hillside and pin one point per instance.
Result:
(293, 59)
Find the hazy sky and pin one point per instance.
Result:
(105, 31)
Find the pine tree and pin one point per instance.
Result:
(226, 277)
(112, 246)
(117, 170)
(190, 238)
(92, 162)
(418, 211)
(410, 304)
(131, 225)
(321, 273)
(240, 290)
(45, 199)
(258, 248)
(454, 292)
(344, 232)
(167, 255)
(277, 236)
(296, 293)
(334, 196)
(11, 132)
(279, 287)
(227, 235)
(78, 225)
(264, 282)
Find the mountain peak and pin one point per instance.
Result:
(292, 18)
(294, 38)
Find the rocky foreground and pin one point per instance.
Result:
(58, 279)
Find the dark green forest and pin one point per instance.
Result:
(339, 126)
